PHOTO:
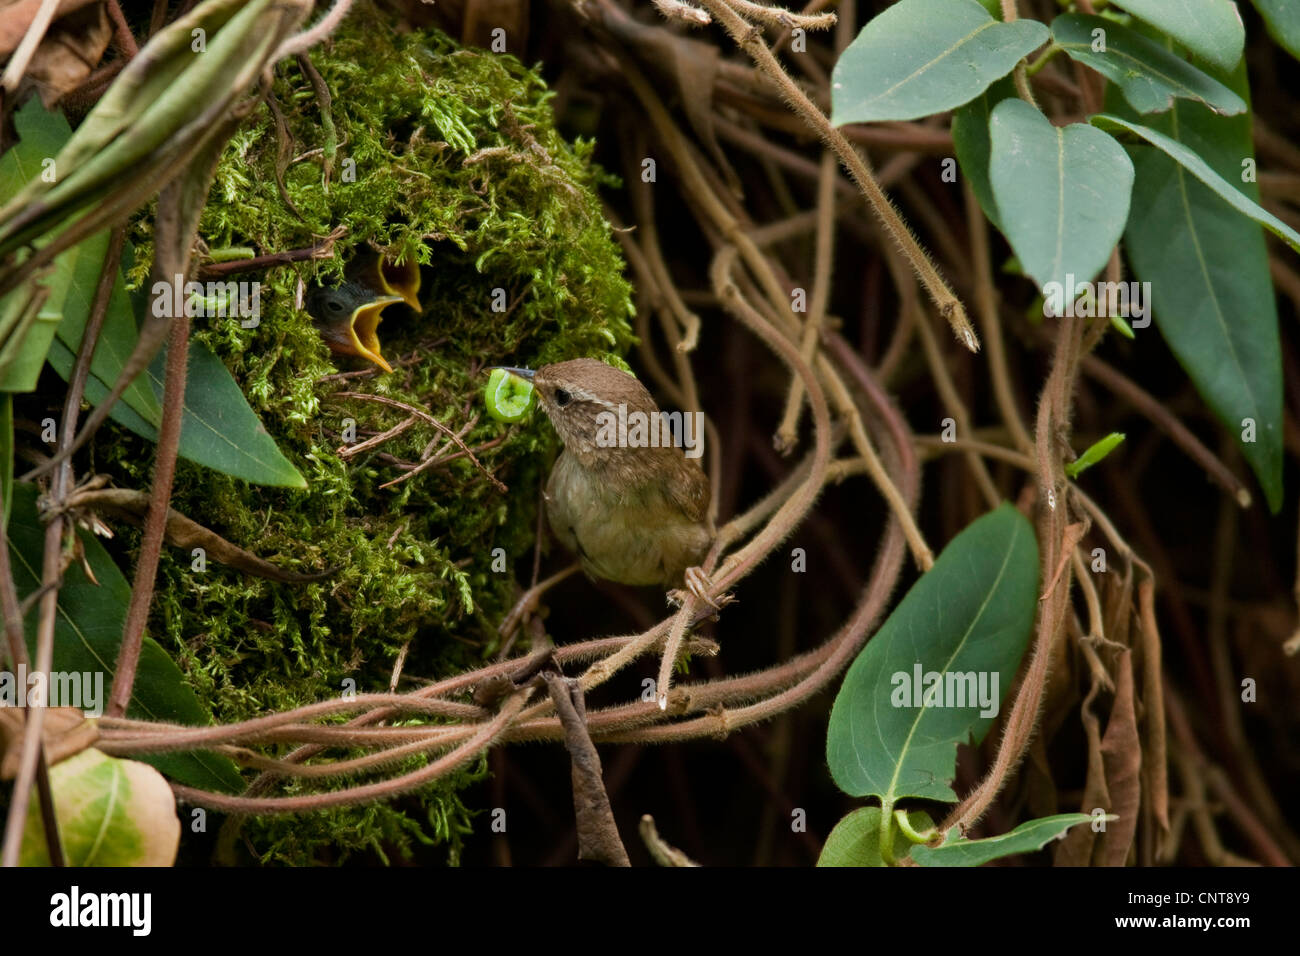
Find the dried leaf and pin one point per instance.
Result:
(111, 812)
(1156, 771)
(70, 51)
(1121, 752)
(182, 532)
(66, 731)
(1076, 849)
(598, 839)
(17, 16)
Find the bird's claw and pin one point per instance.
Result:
(699, 585)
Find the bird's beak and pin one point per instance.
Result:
(361, 337)
(402, 280)
(525, 373)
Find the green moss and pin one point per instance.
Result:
(458, 163)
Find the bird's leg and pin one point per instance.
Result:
(527, 604)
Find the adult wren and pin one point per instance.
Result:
(627, 500)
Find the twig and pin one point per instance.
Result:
(987, 311)
(349, 451)
(366, 793)
(322, 250)
(426, 417)
(125, 39)
(787, 431)
(155, 522)
(660, 850)
(948, 304)
(22, 56)
(310, 37)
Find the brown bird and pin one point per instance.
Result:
(625, 497)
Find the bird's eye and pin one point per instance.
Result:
(334, 305)
(562, 397)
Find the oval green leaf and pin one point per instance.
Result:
(111, 812)
(962, 629)
(926, 56)
(1150, 76)
(1026, 838)
(1062, 193)
(1211, 29)
(855, 841)
(88, 635)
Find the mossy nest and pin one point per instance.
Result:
(449, 156)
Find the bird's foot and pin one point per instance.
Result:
(700, 585)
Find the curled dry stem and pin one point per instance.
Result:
(949, 306)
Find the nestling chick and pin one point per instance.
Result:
(347, 318)
(633, 514)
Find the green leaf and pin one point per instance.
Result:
(111, 812)
(218, 428)
(1191, 162)
(970, 136)
(1211, 29)
(25, 334)
(151, 100)
(41, 134)
(855, 841)
(1283, 20)
(1095, 453)
(1026, 838)
(1150, 76)
(1211, 293)
(30, 327)
(138, 406)
(88, 635)
(1062, 193)
(926, 56)
(969, 615)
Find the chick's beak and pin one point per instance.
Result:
(363, 325)
(402, 281)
